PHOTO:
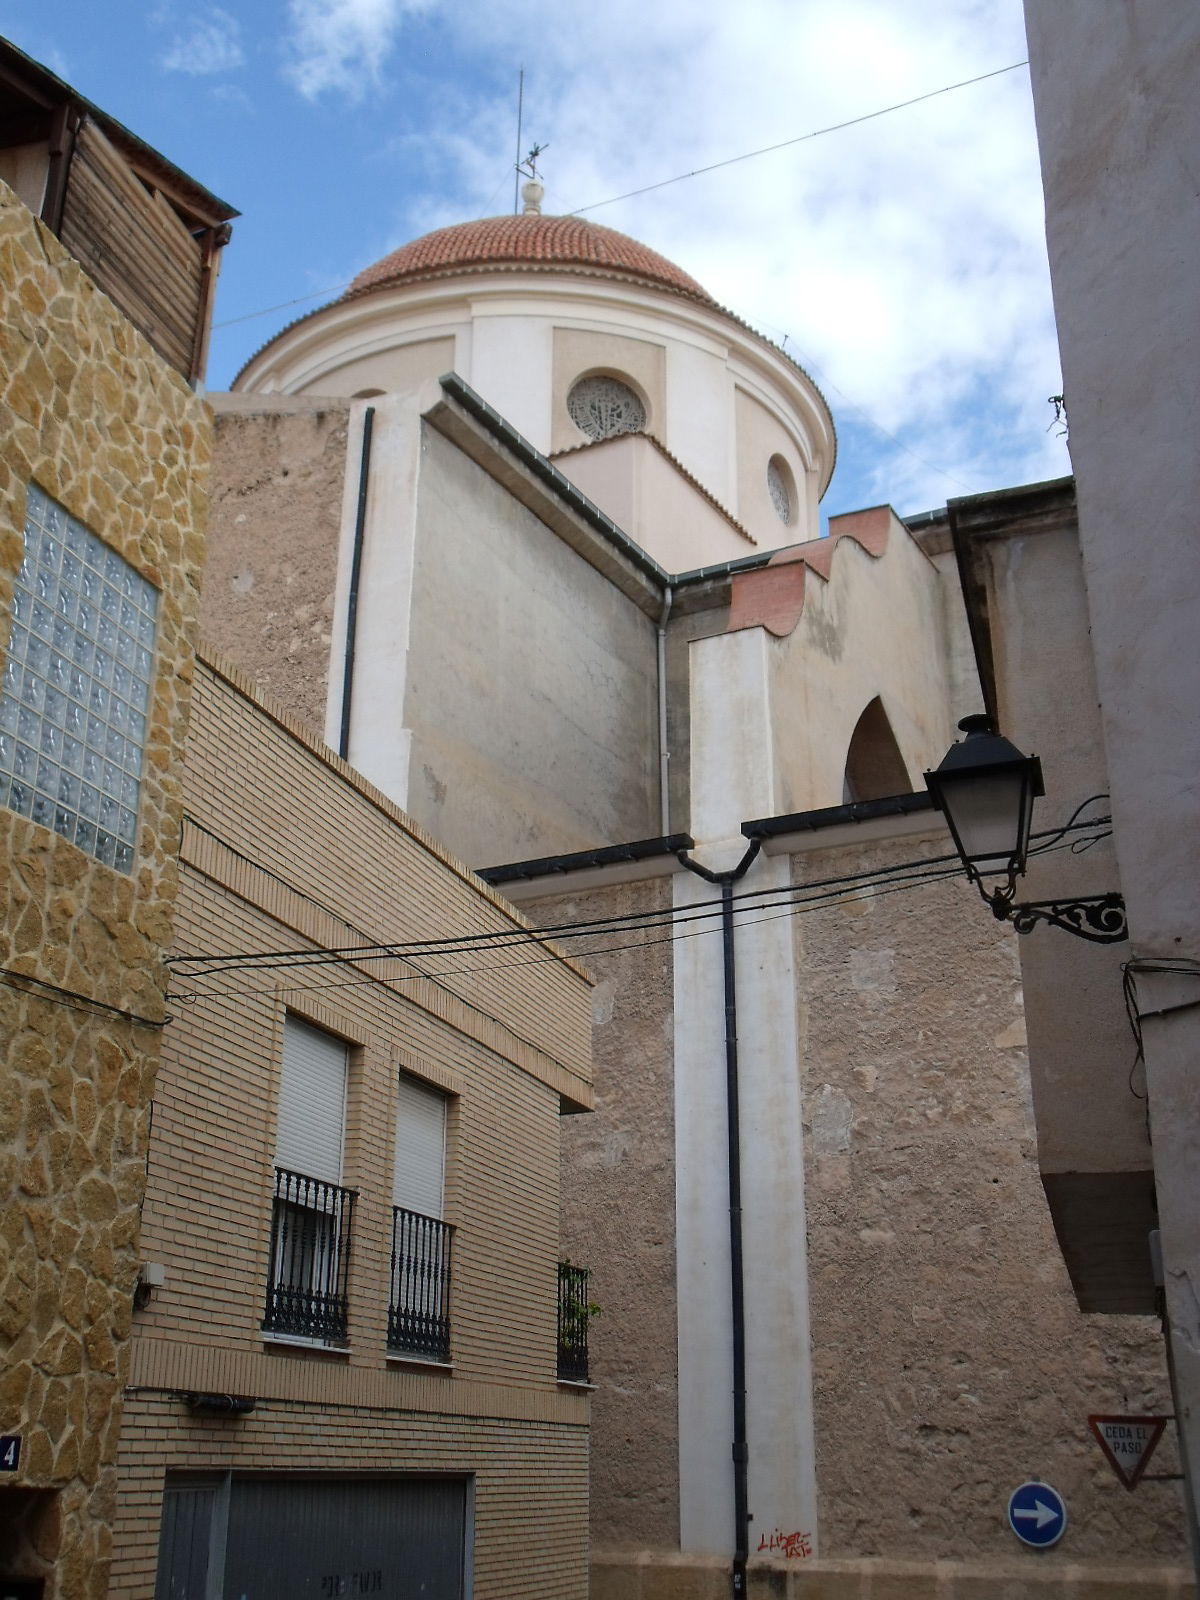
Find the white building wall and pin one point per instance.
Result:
(379, 742)
(731, 761)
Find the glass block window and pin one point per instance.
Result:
(603, 407)
(76, 688)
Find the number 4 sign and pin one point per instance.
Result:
(1128, 1442)
(10, 1452)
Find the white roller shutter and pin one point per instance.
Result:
(312, 1102)
(420, 1147)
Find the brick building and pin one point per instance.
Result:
(350, 1369)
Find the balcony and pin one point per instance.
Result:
(419, 1309)
(575, 1311)
(310, 1259)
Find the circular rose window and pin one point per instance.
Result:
(605, 407)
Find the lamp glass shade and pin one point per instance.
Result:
(989, 814)
(986, 789)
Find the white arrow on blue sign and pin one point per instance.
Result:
(1037, 1514)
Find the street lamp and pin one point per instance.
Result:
(985, 788)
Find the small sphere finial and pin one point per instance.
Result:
(531, 192)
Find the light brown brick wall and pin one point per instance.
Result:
(530, 1480)
(287, 849)
(92, 415)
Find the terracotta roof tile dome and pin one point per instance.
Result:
(531, 242)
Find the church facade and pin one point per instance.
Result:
(528, 524)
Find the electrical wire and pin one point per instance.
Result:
(802, 902)
(798, 907)
(748, 155)
(816, 133)
(498, 939)
(704, 910)
(1180, 966)
(72, 999)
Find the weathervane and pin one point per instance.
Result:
(533, 188)
(529, 165)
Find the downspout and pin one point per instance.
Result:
(664, 751)
(360, 523)
(737, 1293)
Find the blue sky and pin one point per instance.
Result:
(903, 258)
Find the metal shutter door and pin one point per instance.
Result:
(312, 1102)
(183, 1542)
(290, 1539)
(420, 1148)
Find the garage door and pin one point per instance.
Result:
(324, 1538)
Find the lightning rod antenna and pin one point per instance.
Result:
(517, 162)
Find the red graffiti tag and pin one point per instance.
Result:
(792, 1546)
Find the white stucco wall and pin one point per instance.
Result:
(522, 338)
(1117, 99)
(731, 780)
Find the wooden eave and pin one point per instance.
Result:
(45, 94)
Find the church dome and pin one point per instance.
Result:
(527, 243)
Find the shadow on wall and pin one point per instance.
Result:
(874, 766)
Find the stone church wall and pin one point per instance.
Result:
(951, 1361)
(279, 471)
(100, 423)
(618, 1219)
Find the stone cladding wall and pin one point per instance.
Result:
(98, 421)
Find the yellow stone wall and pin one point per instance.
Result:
(97, 420)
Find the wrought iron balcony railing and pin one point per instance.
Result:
(419, 1312)
(574, 1313)
(310, 1258)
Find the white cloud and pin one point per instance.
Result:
(341, 45)
(211, 44)
(903, 257)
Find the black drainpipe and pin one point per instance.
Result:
(360, 523)
(737, 1293)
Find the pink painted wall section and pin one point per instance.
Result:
(772, 597)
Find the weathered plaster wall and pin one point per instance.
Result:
(875, 628)
(647, 495)
(279, 473)
(403, 367)
(98, 421)
(618, 1219)
(1117, 98)
(951, 1362)
(760, 436)
(512, 756)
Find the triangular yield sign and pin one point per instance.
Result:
(1128, 1442)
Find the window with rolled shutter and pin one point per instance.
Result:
(312, 1102)
(420, 1148)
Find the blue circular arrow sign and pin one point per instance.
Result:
(1037, 1514)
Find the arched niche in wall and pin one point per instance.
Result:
(874, 766)
(781, 486)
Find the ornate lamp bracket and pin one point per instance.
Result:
(1099, 918)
